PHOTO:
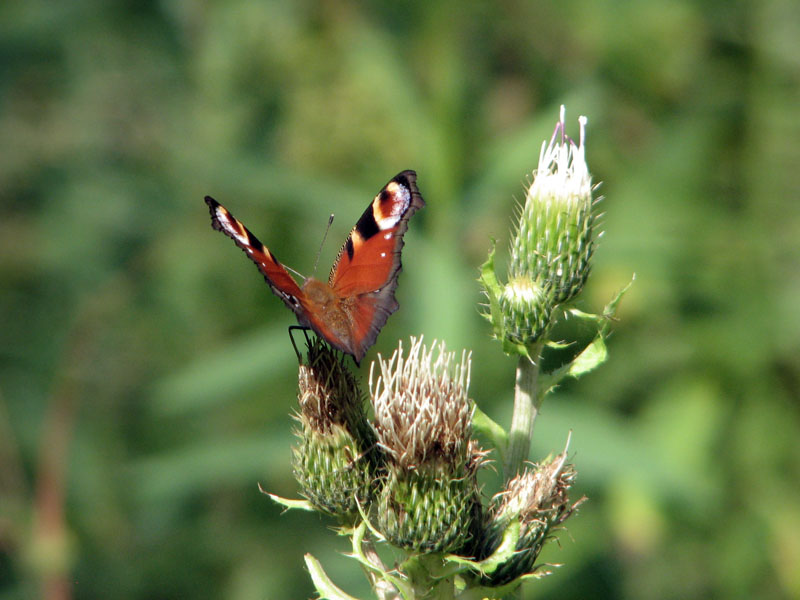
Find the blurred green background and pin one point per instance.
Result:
(146, 378)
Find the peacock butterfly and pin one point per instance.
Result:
(349, 310)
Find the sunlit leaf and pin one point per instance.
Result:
(289, 503)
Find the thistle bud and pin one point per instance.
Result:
(527, 306)
(552, 246)
(554, 242)
(333, 462)
(538, 500)
(423, 421)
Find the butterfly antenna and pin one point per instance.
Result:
(298, 273)
(324, 237)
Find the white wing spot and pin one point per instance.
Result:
(399, 207)
(387, 236)
(389, 222)
(232, 229)
(242, 238)
(383, 254)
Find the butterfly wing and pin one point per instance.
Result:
(278, 278)
(365, 272)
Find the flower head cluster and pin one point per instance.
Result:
(410, 476)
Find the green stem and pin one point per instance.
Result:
(383, 589)
(424, 574)
(526, 409)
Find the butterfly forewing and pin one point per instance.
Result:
(278, 278)
(370, 258)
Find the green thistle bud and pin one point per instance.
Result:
(538, 500)
(423, 420)
(554, 241)
(527, 307)
(552, 246)
(333, 462)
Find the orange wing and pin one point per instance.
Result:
(278, 278)
(369, 261)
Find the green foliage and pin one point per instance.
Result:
(145, 376)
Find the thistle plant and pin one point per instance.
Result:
(404, 485)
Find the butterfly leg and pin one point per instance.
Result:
(291, 337)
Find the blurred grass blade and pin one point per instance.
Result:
(216, 378)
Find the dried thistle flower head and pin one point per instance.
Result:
(538, 500)
(423, 421)
(333, 462)
(328, 391)
(422, 410)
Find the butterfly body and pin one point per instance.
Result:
(325, 309)
(349, 310)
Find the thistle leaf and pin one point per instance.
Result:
(485, 426)
(610, 309)
(504, 552)
(287, 502)
(595, 353)
(323, 584)
(493, 290)
(358, 535)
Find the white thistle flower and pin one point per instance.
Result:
(562, 177)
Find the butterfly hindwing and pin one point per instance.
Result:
(278, 278)
(368, 316)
